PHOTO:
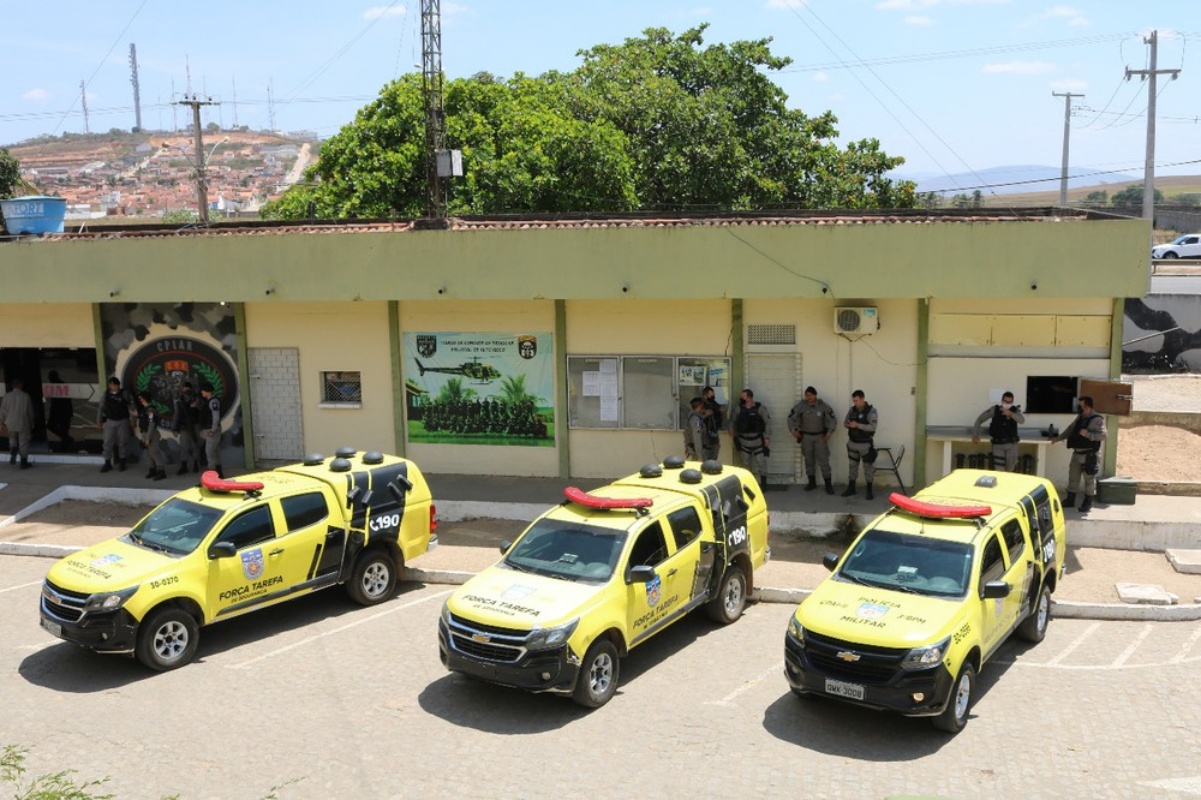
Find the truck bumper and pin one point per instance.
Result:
(536, 671)
(109, 632)
(914, 693)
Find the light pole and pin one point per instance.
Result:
(201, 166)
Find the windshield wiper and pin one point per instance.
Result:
(516, 566)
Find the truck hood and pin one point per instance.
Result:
(510, 599)
(108, 567)
(881, 617)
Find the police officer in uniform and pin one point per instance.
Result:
(113, 418)
(1084, 436)
(750, 425)
(151, 438)
(210, 421)
(712, 415)
(861, 421)
(187, 411)
(811, 422)
(16, 418)
(1003, 430)
(694, 431)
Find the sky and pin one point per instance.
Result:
(953, 86)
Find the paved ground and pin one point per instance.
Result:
(327, 699)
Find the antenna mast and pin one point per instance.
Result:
(83, 99)
(137, 95)
(435, 114)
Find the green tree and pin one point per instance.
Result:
(1096, 199)
(453, 391)
(1133, 196)
(657, 122)
(11, 181)
(513, 390)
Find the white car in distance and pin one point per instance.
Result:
(1186, 246)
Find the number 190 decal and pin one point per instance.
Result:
(385, 522)
(737, 536)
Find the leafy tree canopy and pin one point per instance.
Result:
(10, 175)
(1133, 196)
(659, 122)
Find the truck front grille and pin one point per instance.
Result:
(852, 661)
(487, 642)
(61, 603)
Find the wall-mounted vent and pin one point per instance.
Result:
(771, 334)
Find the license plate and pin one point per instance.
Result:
(843, 689)
(53, 627)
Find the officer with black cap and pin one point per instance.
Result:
(113, 418)
(1003, 420)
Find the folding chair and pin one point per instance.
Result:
(893, 464)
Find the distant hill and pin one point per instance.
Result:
(1013, 179)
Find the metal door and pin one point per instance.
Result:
(775, 380)
(275, 403)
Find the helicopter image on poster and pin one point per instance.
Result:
(479, 373)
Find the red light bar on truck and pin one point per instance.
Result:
(214, 483)
(592, 501)
(937, 510)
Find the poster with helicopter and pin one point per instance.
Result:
(480, 388)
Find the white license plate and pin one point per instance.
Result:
(843, 689)
(53, 627)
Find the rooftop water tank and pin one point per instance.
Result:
(33, 214)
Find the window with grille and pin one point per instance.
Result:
(771, 334)
(342, 389)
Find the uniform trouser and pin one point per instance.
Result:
(18, 442)
(712, 448)
(1005, 456)
(188, 450)
(116, 435)
(751, 455)
(212, 450)
(855, 453)
(1080, 466)
(817, 455)
(154, 449)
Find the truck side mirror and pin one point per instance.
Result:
(995, 589)
(640, 574)
(830, 561)
(223, 550)
(504, 546)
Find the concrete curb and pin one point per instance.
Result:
(1123, 611)
(95, 494)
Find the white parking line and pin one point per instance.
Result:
(746, 687)
(22, 586)
(348, 626)
(1129, 651)
(1072, 647)
(1188, 645)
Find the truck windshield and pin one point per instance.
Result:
(912, 564)
(177, 526)
(568, 550)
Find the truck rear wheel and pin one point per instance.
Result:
(1034, 627)
(167, 639)
(597, 681)
(374, 578)
(954, 716)
(727, 606)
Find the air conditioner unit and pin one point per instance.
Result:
(858, 319)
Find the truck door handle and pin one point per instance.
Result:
(276, 552)
(672, 571)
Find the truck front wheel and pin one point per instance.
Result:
(373, 579)
(727, 606)
(954, 716)
(167, 639)
(597, 681)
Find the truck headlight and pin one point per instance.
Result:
(795, 629)
(545, 638)
(109, 601)
(446, 612)
(925, 657)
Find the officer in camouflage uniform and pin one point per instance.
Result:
(861, 422)
(811, 422)
(1084, 437)
(113, 418)
(694, 431)
(1003, 421)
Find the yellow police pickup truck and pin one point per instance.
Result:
(928, 592)
(228, 547)
(605, 571)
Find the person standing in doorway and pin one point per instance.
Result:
(712, 415)
(1003, 420)
(16, 418)
(210, 430)
(750, 426)
(1084, 437)
(694, 431)
(113, 418)
(150, 436)
(60, 411)
(861, 422)
(812, 423)
(187, 414)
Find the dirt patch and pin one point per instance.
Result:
(75, 522)
(1159, 453)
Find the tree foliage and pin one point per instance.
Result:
(10, 174)
(659, 122)
(1133, 196)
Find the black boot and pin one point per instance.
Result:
(763, 482)
(160, 475)
(12, 457)
(121, 465)
(1070, 500)
(108, 465)
(869, 494)
(221, 474)
(25, 462)
(809, 487)
(151, 473)
(829, 486)
(1087, 505)
(195, 466)
(183, 468)
(850, 490)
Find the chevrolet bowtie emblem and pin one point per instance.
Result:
(847, 655)
(479, 637)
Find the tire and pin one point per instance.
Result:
(955, 715)
(599, 672)
(730, 601)
(1034, 627)
(167, 639)
(1171, 254)
(373, 579)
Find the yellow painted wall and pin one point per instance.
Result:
(46, 325)
(513, 317)
(334, 336)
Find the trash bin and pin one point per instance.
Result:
(1117, 491)
(33, 214)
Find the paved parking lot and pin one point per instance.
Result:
(327, 699)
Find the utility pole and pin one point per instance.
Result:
(1067, 127)
(435, 114)
(202, 189)
(83, 99)
(234, 81)
(1150, 75)
(133, 78)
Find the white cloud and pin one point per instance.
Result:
(919, 5)
(821, 76)
(918, 20)
(36, 95)
(1020, 68)
(1069, 85)
(1073, 15)
(785, 5)
(375, 12)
